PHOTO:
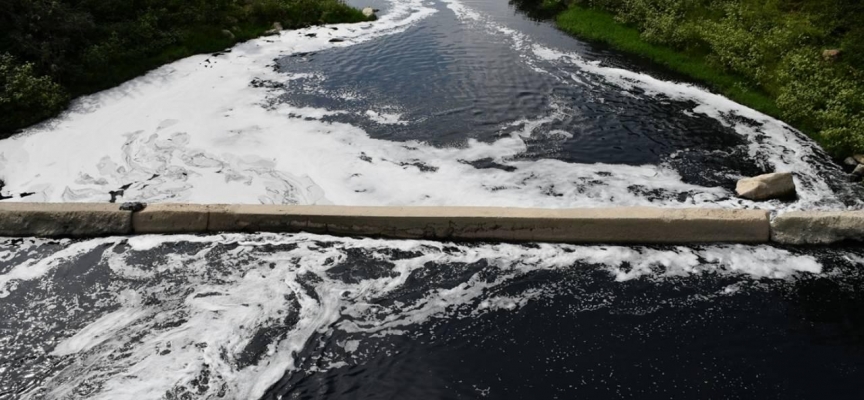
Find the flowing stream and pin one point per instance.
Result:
(438, 102)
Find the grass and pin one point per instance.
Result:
(601, 26)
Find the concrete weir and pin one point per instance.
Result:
(610, 225)
(63, 219)
(588, 225)
(812, 227)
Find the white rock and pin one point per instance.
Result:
(368, 12)
(766, 187)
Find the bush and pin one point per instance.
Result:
(772, 45)
(827, 96)
(26, 98)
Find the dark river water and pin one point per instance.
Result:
(456, 81)
(439, 102)
(317, 317)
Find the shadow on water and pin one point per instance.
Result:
(538, 10)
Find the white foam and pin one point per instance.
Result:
(34, 268)
(761, 261)
(781, 146)
(212, 301)
(386, 118)
(508, 303)
(196, 131)
(192, 130)
(98, 332)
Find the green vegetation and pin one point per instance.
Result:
(24, 96)
(767, 54)
(52, 50)
(600, 26)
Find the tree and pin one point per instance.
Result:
(25, 97)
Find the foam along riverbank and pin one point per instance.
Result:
(588, 225)
(233, 129)
(600, 26)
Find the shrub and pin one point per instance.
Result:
(825, 96)
(773, 45)
(26, 98)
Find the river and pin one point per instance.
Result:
(438, 102)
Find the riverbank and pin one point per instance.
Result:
(801, 63)
(85, 48)
(600, 26)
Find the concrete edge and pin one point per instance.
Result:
(64, 219)
(817, 227)
(590, 225)
(625, 225)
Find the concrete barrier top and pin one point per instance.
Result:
(64, 219)
(823, 227)
(491, 212)
(585, 225)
